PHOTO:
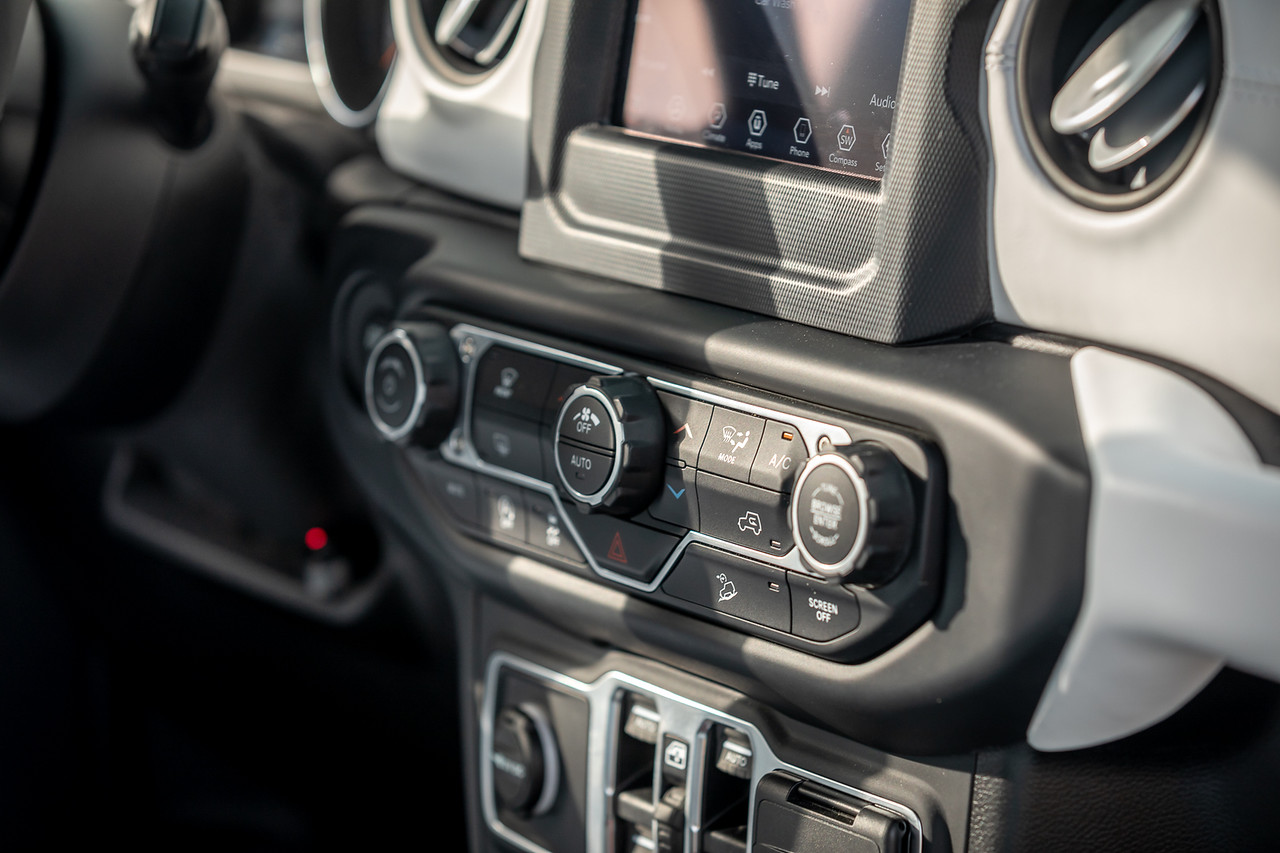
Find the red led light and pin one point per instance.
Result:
(316, 538)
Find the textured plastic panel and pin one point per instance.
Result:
(897, 261)
(1190, 276)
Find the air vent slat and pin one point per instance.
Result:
(1143, 123)
(1117, 95)
(478, 31)
(1123, 64)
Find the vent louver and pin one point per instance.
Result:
(1118, 94)
(472, 35)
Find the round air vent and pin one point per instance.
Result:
(465, 39)
(1116, 94)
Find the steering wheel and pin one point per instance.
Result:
(13, 16)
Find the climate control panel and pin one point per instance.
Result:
(811, 528)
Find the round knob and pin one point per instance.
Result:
(609, 444)
(852, 514)
(526, 770)
(411, 384)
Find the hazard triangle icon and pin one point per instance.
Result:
(616, 552)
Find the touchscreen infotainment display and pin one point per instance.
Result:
(812, 82)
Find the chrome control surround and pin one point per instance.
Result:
(458, 448)
(681, 717)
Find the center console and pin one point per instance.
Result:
(729, 573)
(714, 575)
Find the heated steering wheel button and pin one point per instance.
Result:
(588, 423)
(733, 586)
(586, 471)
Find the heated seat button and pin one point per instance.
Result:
(731, 444)
(504, 512)
(509, 443)
(745, 515)
(821, 611)
(623, 547)
(589, 423)
(687, 423)
(731, 585)
(586, 471)
(780, 458)
(677, 503)
(514, 383)
(547, 531)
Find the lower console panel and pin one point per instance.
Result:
(619, 763)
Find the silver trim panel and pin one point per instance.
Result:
(473, 342)
(682, 717)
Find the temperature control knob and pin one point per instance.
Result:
(609, 444)
(853, 514)
(411, 384)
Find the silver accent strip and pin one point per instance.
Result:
(400, 337)
(597, 497)
(473, 342)
(691, 721)
(845, 566)
(318, 60)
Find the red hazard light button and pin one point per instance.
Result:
(623, 547)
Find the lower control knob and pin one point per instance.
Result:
(853, 514)
(525, 762)
(411, 384)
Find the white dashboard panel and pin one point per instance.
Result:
(468, 138)
(1182, 571)
(1193, 276)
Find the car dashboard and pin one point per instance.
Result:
(668, 425)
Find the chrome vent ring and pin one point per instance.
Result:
(1116, 95)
